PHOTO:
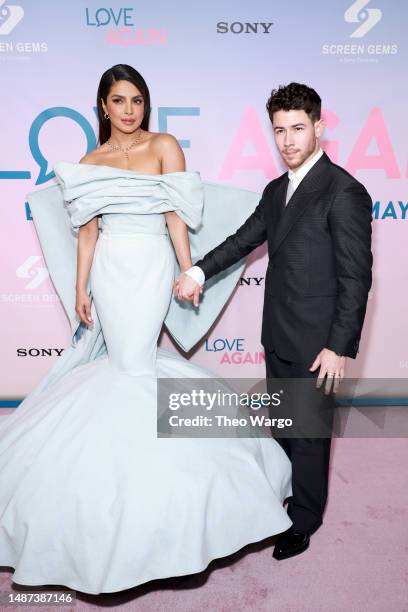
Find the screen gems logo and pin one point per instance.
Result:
(368, 18)
(33, 276)
(36, 274)
(10, 16)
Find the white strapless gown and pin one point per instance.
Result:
(90, 498)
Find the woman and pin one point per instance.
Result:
(90, 498)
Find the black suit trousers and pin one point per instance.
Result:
(309, 456)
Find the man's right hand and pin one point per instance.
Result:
(186, 288)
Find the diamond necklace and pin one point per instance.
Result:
(125, 150)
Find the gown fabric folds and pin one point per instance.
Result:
(90, 497)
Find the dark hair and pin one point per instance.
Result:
(120, 72)
(295, 96)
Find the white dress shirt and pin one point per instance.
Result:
(295, 177)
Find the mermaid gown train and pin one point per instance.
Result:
(90, 497)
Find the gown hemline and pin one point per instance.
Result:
(178, 574)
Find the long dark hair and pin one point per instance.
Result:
(120, 72)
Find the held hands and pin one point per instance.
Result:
(83, 307)
(332, 366)
(186, 288)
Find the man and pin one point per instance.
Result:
(316, 219)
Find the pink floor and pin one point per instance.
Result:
(358, 560)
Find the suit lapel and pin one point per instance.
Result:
(279, 198)
(304, 195)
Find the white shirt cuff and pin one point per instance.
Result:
(196, 273)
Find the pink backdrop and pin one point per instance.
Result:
(210, 70)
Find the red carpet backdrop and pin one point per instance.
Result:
(210, 68)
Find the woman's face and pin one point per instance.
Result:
(125, 106)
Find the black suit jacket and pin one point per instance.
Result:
(319, 270)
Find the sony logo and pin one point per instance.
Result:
(39, 352)
(238, 27)
(251, 280)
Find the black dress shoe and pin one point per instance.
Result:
(290, 543)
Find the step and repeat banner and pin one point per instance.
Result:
(210, 69)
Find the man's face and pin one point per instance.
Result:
(296, 136)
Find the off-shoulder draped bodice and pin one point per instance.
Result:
(129, 201)
(85, 191)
